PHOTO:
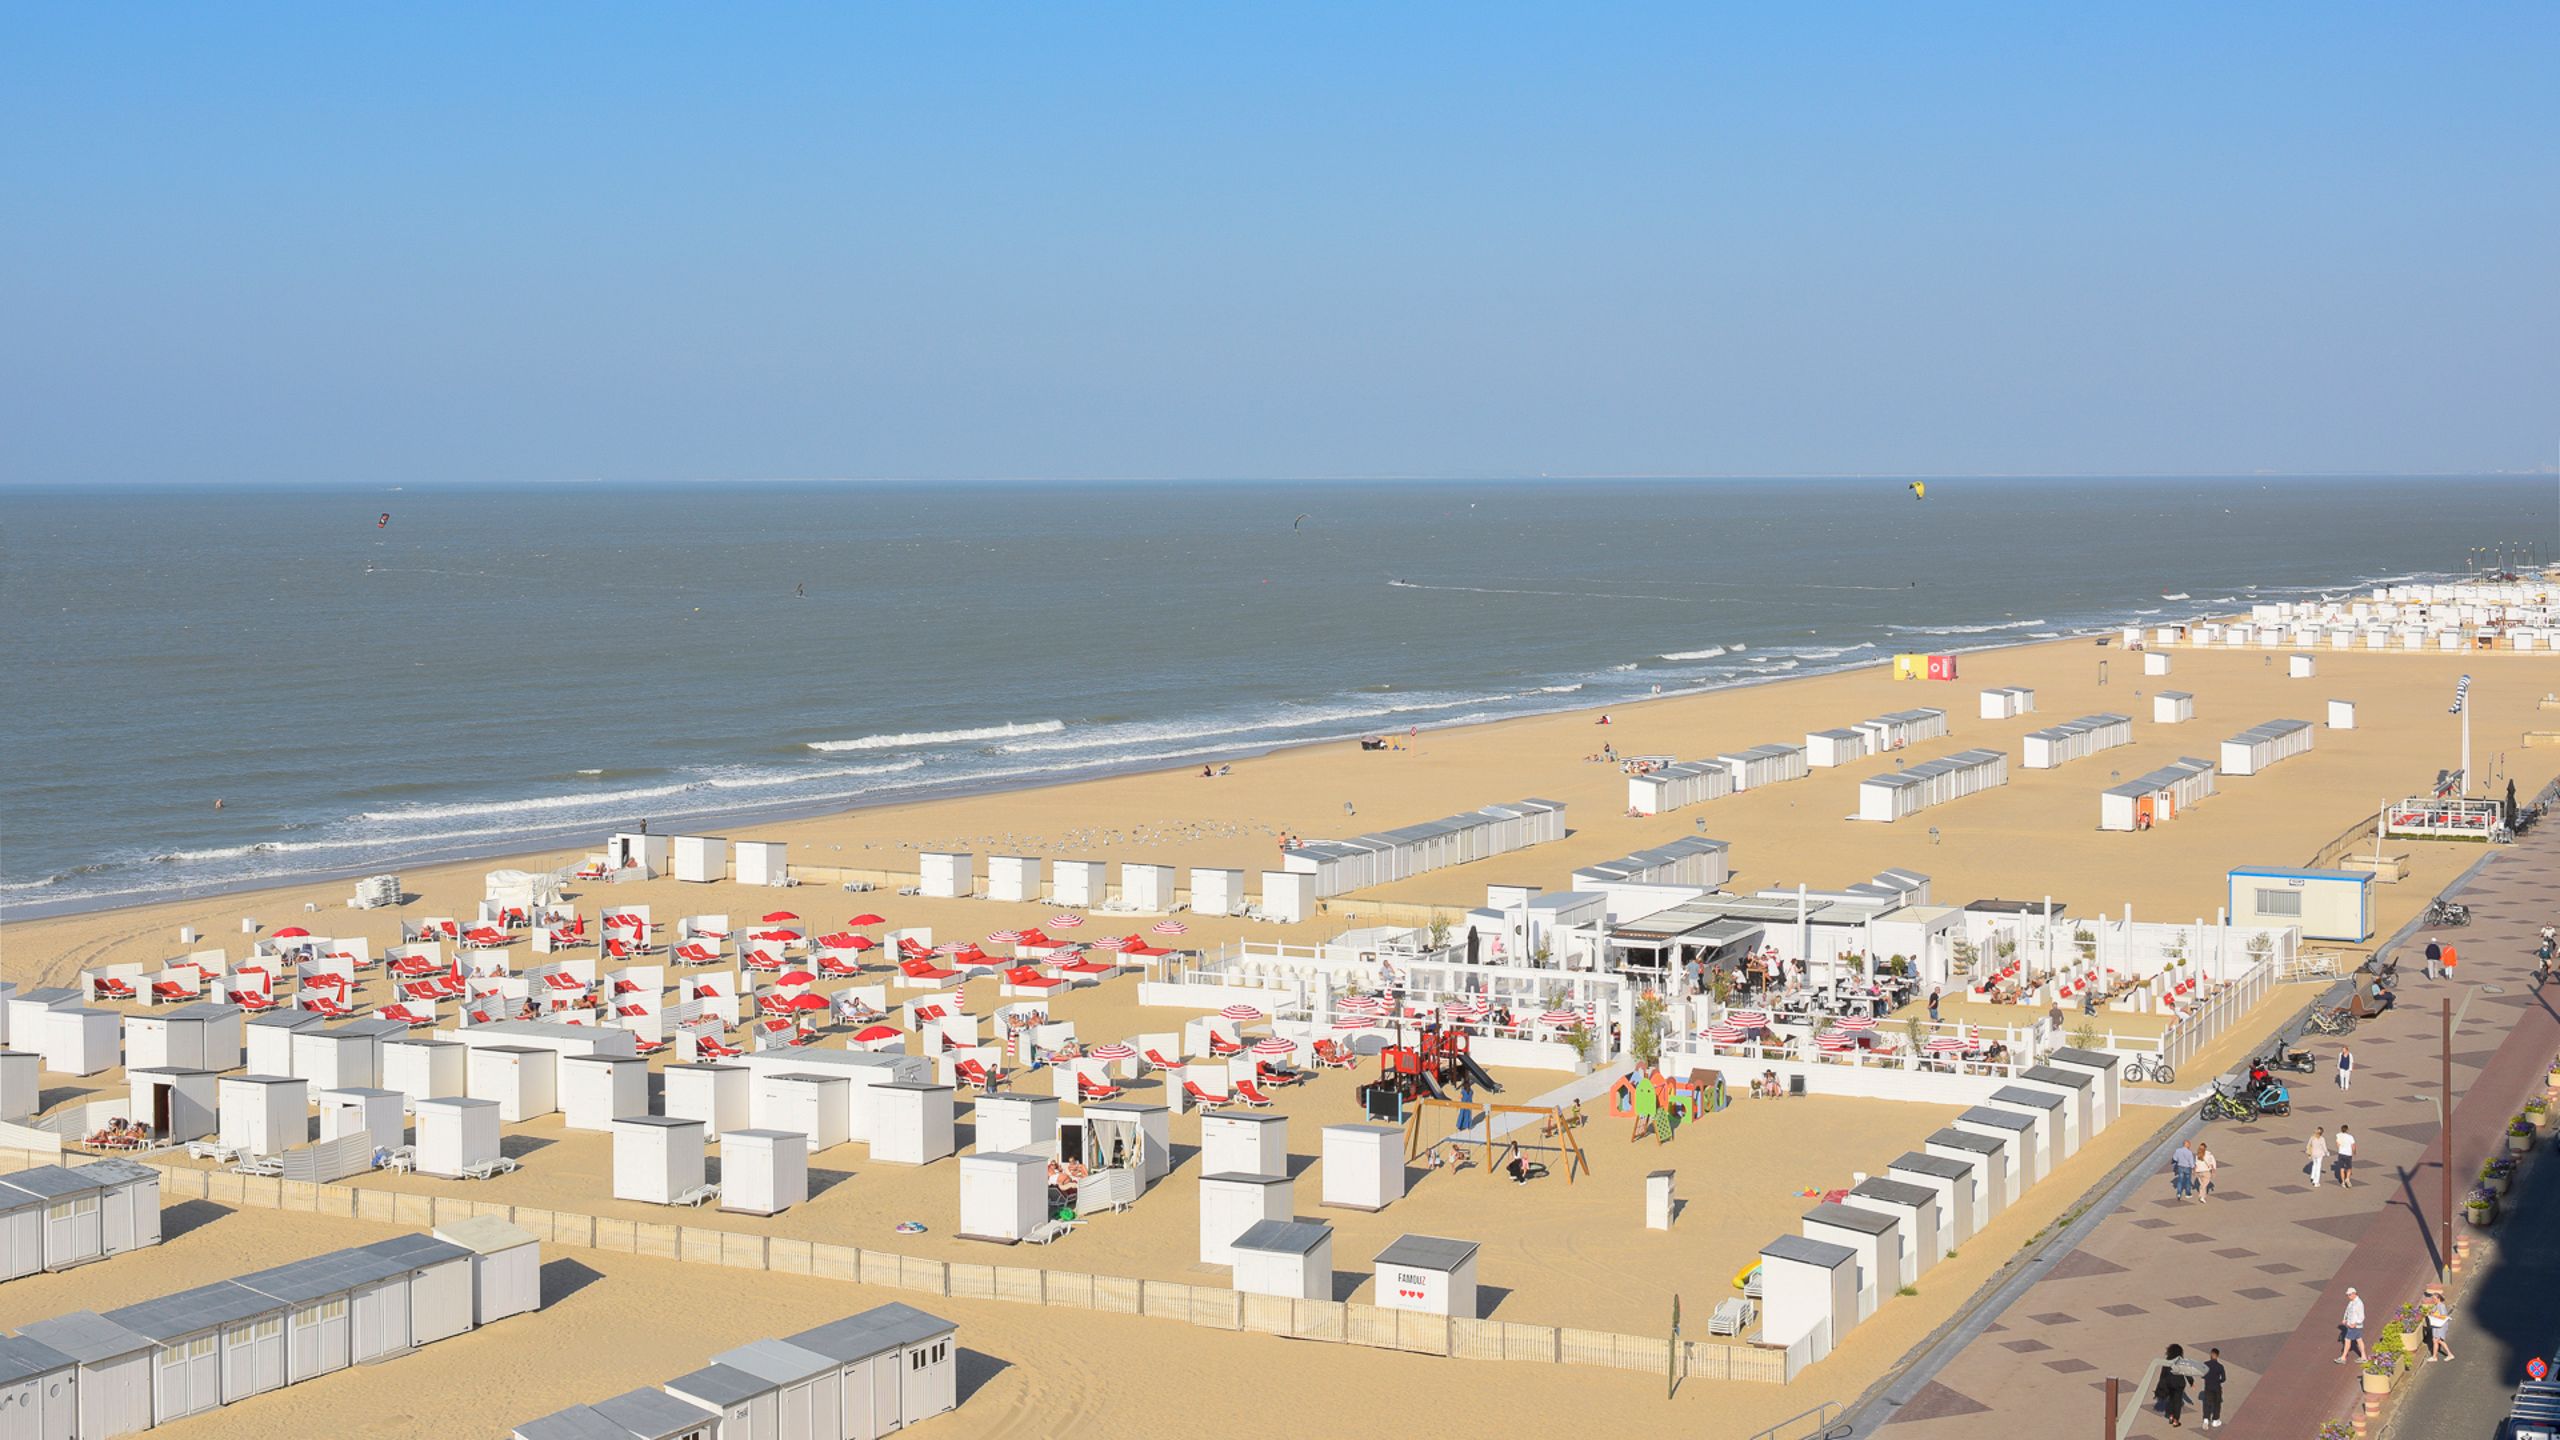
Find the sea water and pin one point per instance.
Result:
(367, 678)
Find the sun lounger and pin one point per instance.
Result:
(1335, 1055)
(924, 972)
(643, 1046)
(1156, 1058)
(1023, 980)
(414, 965)
(209, 1150)
(836, 969)
(1246, 1091)
(110, 988)
(1087, 1091)
(253, 999)
(1264, 1074)
(1221, 1045)
(481, 1169)
(406, 1016)
(699, 1195)
(259, 1165)
(716, 1048)
(1202, 1097)
(171, 990)
(972, 1072)
(1731, 1317)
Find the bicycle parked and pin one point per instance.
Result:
(2140, 1068)
(2333, 1019)
(2442, 912)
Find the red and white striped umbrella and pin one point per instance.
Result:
(947, 948)
(1471, 1010)
(1855, 1024)
(1748, 1019)
(1171, 927)
(1005, 937)
(1354, 1022)
(1727, 1034)
(1561, 1017)
(1240, 1012)
(1834, 1045)
(1124, 944)
(1113, 1051)
(1845, 1037)
(1064, 921)
(1360, 1004)
(1944, 1044)
(1274, 1045)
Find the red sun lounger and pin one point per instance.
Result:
(1086, 1090)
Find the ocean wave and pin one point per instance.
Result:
(1615, 669)
(1709, 653)
(940, 737)
(2044, 634)
(1968, 629)
(2152, 611)
(1108, 737)
(1559, 689)
(734, 779)
(1836, 654)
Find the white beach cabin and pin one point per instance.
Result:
(263, 1114)
(1016, 1124)
(947, 874)
(454, 1134)
(897, 1366)
(722, 1097)
(764, 863)
(596, 1090)
(178, 1105)
(763, 1172)
(1003, 1195)
(1146, 888)
(701, 859)
(1014, 879)
(1363, 1166)
(506, 1266)
(1428, 1273)
(657, 1159)
(1808, 1291)
(914, 1123)
(1078, 884)
(1876, 1239)
(2172, 707)
(1912, 1207)
(422, 1069)
(1293, 1258)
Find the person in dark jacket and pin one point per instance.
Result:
(2171, 1392)
(2210, 1406)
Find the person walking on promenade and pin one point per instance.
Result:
(2171, 1390)
(2346, 1158)
(2206, 1163)
(2210, 1406)
(2439, 1320)
(2316, 1150)
(2351, 1329)
(1933, 1005)
(2182, 1172)
(2346, 1067)
(2435, 958)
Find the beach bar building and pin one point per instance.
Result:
(2057, 745)
(2148, 800)
(2322, 904)
(1915, 788)
(2260, 746)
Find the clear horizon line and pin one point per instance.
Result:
(1507, 477)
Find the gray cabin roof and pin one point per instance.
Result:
(321, 1276)
(1955, 1139)
(24, 1359)
(1938, 1165)
(57, 996)
(2021, 1095)
(1850, 1217)
(1282, 1237)
(1428, 1252)
(1239, 1177)
(578, 1422)
(873, 1332)
(53, 1182)
(2056, 1075)
(1997, 1119)
(2102, 1059)
(415, 1252)
(779, 1361)
(486, 1235)
(651, 1414)
(192, 1312)
(289, 1019)
(200, 1010)
(115, 1170)
(1893, 1192)
(1809, 1250)
(86, 1336)
(666, 1122)
(722, 1385)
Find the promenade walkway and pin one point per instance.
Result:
(2261, 1269)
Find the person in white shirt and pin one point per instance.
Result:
(2316, 1150)
(2346, 1158)
(2351, 1329)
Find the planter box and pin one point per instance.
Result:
(2518, 1144)
(2480, 1215)
(2376, 1384)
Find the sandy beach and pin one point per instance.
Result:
(1555, 1254)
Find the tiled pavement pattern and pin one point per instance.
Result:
(2263, 1259)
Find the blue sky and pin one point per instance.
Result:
(566, 241)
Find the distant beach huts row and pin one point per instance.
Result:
(1385, 856)
(2140, 803)
(2260, 746)
(1931, 782)
(1689, 860)
(2008, 702)
(2075, 740)
(1692, 782)
(1891, 731)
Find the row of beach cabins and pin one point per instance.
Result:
(1660, 786)
(2508, 615)
(92, 1376)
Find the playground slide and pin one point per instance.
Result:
(1430, 1086)
(1475, 1072)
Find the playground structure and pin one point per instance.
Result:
(1475, 1128)
(1425, 1069)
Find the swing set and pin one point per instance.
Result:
(1555, 1135)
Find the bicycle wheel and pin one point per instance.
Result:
(2162, 1074)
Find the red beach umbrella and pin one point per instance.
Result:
(874, 1034)
(795, 977)
(291, 932)
(779, 916)
(866, 918)
(807, 1000)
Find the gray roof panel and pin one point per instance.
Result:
(1850, 1217)
(651, 1414)
(335, 1273)
(1428, 1252)
(2056, 1075)
(722, 1385)
(578, 1422)
(2021, 1095)
(1940, 1166)
(1955, 1139)
(87, 1336)
(1283, 1237)
(873, 1332)
(22, 1359)
(1997, 1119)
(1893, 1192)
(1809, 1250)
(191, 1312)
(2102, 1059)
(53, 1182)
(779, 1361)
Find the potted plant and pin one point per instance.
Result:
(2482, 1208)
(2519, 1135)
(2539, 1112)
(2499, 1173)
(2335, 1430)
(2401, 1332)
(2377, 1372)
